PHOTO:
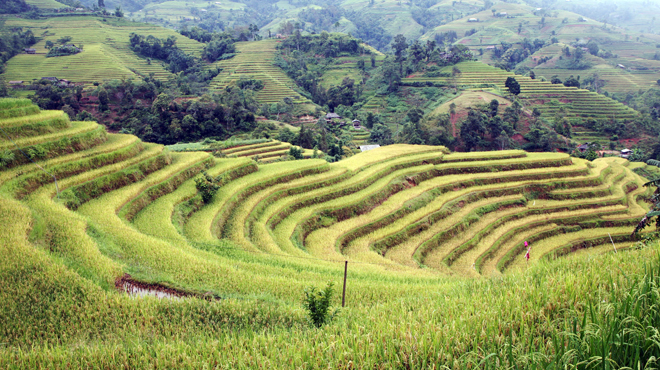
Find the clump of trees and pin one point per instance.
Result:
(13, 42)
(162, 49)
(219, 46)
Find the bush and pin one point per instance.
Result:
(317, 304)
(206, 186)
(296, 152)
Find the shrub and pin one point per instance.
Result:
(317, 304)
(6, 158)
(206, 186)
(296, 152)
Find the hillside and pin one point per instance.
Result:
(124, 221)
(106, 53)
(255, 62)
(485, 31)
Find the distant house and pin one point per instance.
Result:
(503, 14)
(30, 50)
(80, 9)
(473, 20)
(582, 19)
(625, 153)
(365, 148)
(15, 82)
(491, 47)
(583, 148)
(51, 79)
(621, 66)
(356, 123)
(331, 116)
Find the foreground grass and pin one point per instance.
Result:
(561, 314)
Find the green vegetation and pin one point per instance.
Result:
(412, 221)
(107, 54)
(254, 61)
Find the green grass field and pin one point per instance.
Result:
(255, 61)
(139, 272)
(106, 53)
(478, 78)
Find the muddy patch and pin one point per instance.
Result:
(138, 289)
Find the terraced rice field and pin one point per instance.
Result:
(547, 97)
(401, 207)
(106, 53)
(255, 61)
(46, 4)
(615, 79)
(413, 222)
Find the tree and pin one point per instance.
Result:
(381, 134)
(103, 99)
(206, 187)
(555, 80)
(473, 130)
(512, 85)
(49, 44)
(572, 82)
(304, 138)
(400, 45)
(118, 12)
(101, 4)
(371, 120)
(414, 115)
(503, 140)
(593, 47)
(296, 152)
(494, 106)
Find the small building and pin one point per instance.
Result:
(503, 14)
(625, 153)
(583, 148)
(472, 20)
(491, 47)
(331, 116)
(582, 19)
(15, 83)
(51, 79)
(365, 148)
(30, 50)
(621, 66)
(356, 123)
(80, 9)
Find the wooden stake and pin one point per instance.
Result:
(343, 295)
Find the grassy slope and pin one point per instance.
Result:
(255, 61)
(106, 53)
(60, 265)
(635, 51)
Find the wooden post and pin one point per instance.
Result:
(343, 295)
